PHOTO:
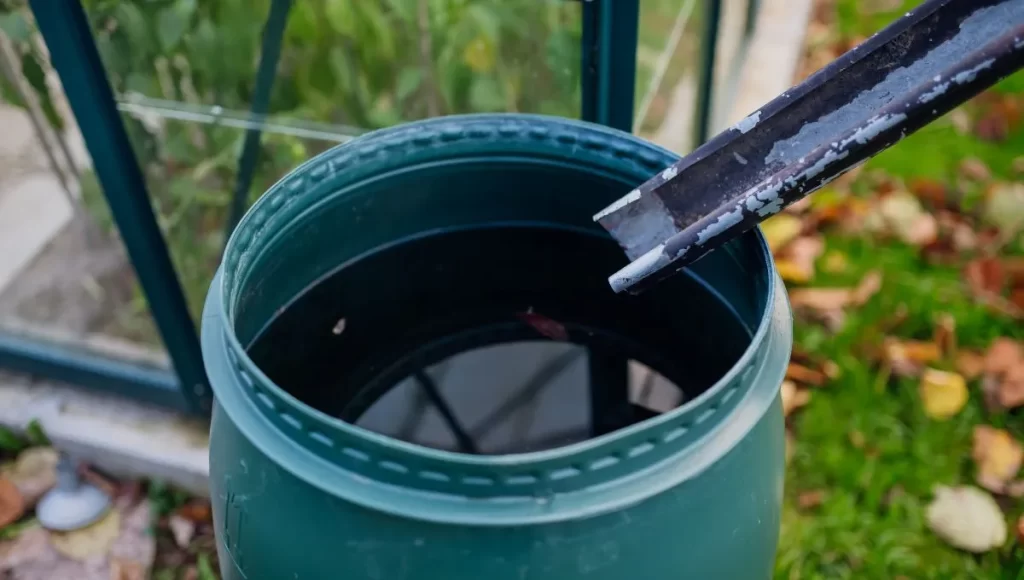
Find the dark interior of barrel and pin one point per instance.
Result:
(497, 340)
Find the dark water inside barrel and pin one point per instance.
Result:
(497, 340)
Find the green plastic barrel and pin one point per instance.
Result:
(408, 245)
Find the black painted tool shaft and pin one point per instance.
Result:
(919, 68)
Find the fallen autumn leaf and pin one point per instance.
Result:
(943, 394)
(998, 457)
(91, 541)
(804, 374)
(966, 518)
(908, 358)
(1004, 374)
(34, 472)
(12, 506)
(793, 397)
(781, 229)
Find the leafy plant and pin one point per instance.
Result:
(359, 63)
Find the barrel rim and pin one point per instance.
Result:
(521, 479)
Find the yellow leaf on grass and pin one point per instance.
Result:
(836, 262)
(790, 271)
(90, 541)
(781, 229)
(943, 394)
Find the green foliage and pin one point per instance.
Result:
(359, 63)
(356, 63)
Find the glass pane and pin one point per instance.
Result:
(64, 276)
(373, 63)
(184, 74)
(729, 55)
(668, 71)
(670, 58)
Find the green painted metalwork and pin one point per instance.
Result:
(74, 365)
(694, 491)
(610, 29)
(270, 54)
(73, 53)
(609, 65)
(706, 88)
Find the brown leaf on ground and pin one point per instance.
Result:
(90, 542)
(26, 547)
(197, 511)
(34, 472)
(945, 335)
(90, 475)
(795, 262)
(962, 237)
(901, 214)
(908, 358)
(1013, 268)
(1020, 531)
(1015, 488)
(869, 285)
(943, 394)
(985, 276)
(793, 397)
(930, 191)
(1003, 383)
(993, 127)
(12, 505)
(804, 374)
(1017, 298)
(827, 304)
(975, 169)
(810, 499)
(136, 543)
(970, 364)
(822, 299)
(998, 457)
(33, 555)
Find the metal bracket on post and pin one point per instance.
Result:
(73, 52)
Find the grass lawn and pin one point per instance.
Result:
(866, 455)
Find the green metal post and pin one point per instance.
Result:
(610, 29)
(64, 363)
(707, 69)
(65, 29)
(270, 54)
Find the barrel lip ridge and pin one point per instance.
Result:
(522, 480)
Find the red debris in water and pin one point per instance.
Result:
(544, 325)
